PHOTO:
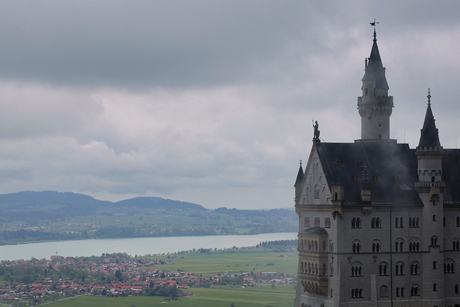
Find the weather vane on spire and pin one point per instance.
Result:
(373, 24)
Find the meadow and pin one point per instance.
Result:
(233, 261)
(210, 264)
(279, 296)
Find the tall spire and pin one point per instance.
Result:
(375, 106)
(429, 134)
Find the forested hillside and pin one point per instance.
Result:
(49, 216)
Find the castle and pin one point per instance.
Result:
(379, 222)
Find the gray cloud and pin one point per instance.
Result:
(206, 101)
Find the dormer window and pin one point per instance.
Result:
(361, 164)
(356, 178)
(377, 178)
(448, 178)
(398, 178)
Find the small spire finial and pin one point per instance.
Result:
(300, 162)
(429, 97)
(373, 24)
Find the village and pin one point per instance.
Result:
(113, 275)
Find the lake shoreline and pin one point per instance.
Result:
(173, 236)
(134, 246)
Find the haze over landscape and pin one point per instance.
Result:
(204, 101)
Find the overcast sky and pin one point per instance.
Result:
(209, 102)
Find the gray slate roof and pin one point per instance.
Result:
(394, 164)
(391, 166)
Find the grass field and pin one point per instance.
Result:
(280, 296)
(235, 261)
(253, 259)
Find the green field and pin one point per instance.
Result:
(234, 261)
(280, 296)
(246, 260)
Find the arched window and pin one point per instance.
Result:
(331, 246)
(414, 245)
(399, 268)
(399, 245)
(449, 266)
(435, 287)
(415, 268)
(324, 246)
(414, 290)
(456, 244)
(414, 222)
(356, 177)
(356, 246)
(456, 289)
(383, 269)
(376, 222)
(317, 222)
(356, 269)
(356, 293)
(306, 222)
(400, 292)
(383, 291)
(434, 241)
(376, 246)
(356, 222)
(316, 192)
(397, 222)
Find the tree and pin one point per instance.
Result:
(118, 274)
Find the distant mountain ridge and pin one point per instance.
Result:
(48, 216)
(45, 198)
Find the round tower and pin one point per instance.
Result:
(375, 106)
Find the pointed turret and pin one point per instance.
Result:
(375, 106)
(299, 179)
(374, 70)
(429, 151)
(298, 182)
(429, 134)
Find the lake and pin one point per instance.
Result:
(134, 246)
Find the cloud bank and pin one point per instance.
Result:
(206, 101)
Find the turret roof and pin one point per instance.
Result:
(299, 179)
(429, 134)
(374, 70)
